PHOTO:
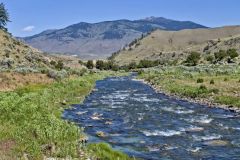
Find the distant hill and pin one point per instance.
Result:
(175, 45)
(100, 40)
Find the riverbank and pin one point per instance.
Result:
(214, 86)
(32, 126)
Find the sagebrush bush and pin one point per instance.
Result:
(212, 82)
(203, 87)
(58, 75)
(200, 80)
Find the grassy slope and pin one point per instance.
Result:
(31, 123)
(183, 82)
(174, 45)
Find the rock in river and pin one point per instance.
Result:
(217, 143)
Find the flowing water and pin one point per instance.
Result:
(150, 125)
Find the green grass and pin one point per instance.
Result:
(228, 100)
(31, 117)
(213, 83)
(104, 152)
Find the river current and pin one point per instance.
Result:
(145, 124)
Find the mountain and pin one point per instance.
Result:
(100, 40)
(175, 45)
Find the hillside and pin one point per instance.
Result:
(21, 64)
(173, 45)
(16, 55)
(100, 40)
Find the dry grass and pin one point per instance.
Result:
(11, 81)
(173, 45)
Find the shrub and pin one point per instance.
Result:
(132, 65)
(232, 53)
(140, 72)
(58, 75)
(193, 59)
(100, 64)
(200, 80)
(115, 67)
(59, 65)
(90, 64)
(147, 63)
(80, 62)
(215, 91)
(203, 87)
(212, 82)
(210, 58)
(220, 55)
(53, 63)
(108, 65)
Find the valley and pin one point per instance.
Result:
(152, 88)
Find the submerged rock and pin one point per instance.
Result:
(101, 134)
(108, 122)
(217, 143)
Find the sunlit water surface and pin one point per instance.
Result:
(149, 125)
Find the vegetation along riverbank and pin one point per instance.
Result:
(32, 127)
(213, 85)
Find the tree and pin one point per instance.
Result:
(90, 64)
(232, 53)
(59, 65)
(220, 55)
(100, 64)
(4, 16)
(132, 65)
(193, 59)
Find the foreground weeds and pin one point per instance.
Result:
(31, 119)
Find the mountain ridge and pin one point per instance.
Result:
(101, 39)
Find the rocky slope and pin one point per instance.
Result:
(175, 45)
(100, 40)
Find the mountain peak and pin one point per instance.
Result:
(100, 40)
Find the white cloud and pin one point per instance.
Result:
(28, 28)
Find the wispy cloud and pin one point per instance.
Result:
(28, 28)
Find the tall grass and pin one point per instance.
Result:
(31, 117)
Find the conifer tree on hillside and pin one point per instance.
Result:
(4, 16)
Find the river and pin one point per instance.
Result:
(149, 125)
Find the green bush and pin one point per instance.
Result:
(220, 55)
(210, 58)
(59, 65)
(232, 53)
(203, 87)
(200, 80)
(225, 79)
(193, 59)
(132, 65)
(90, 64)
(212, 81)
(147, 63)
(100, 64)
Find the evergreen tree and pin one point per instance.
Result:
(90, 64)
(4, 16)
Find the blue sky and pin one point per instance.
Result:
(33, 16)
